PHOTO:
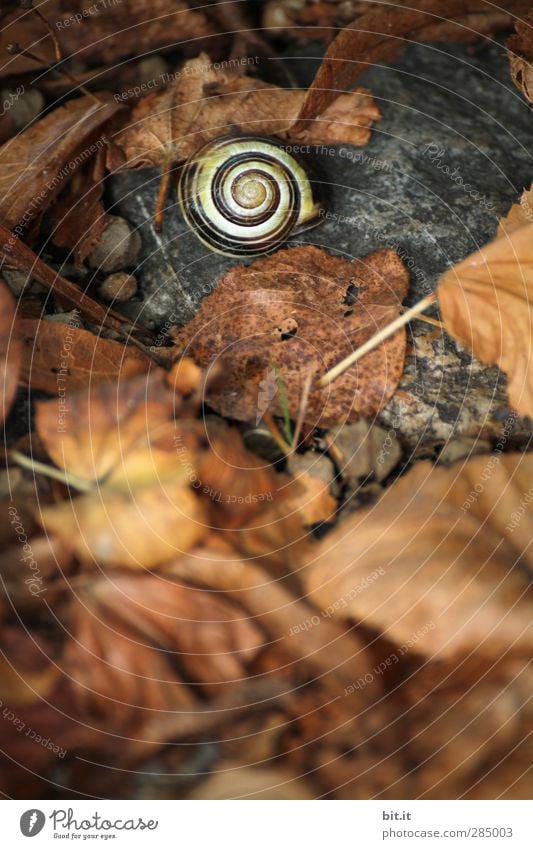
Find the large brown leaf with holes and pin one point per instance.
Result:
(437, 565)
(298, 313)
(486, 303)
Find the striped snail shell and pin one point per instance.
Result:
(245, 195)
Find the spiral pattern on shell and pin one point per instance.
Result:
(245, 195)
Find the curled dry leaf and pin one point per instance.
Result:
(203, 103)
(10, 351)
(64, 356)
(379, 35)
(130, 27)
(141, 529)
(113, 676)
(486, 302)
(427, 565)
(327, 650)
(201, 633)
(161, 481)
(519, 214)
(100, 428)
(297, 312)
(520, 48)
(39, 162)
(79, 216)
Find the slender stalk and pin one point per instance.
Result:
(302, 411)
(377, 338)
(50, 471)
(57, 49)
(162, 196)
(434, 322)
(15, 50)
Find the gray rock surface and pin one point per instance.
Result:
(449, 112)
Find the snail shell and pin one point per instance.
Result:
(245, 195)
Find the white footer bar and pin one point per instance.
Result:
(267, 824)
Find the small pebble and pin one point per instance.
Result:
(152, 68)
(365, 450)
(16, 280)
(316, 466)
(71, 318)
(26, 108)
(117, 248)
(119, 286)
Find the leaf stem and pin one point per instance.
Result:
(50, 471)
(377, 338)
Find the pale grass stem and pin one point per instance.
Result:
(50, 471)
(377, 339)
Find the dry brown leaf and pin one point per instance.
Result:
(520, 48)
(428, 566)
(115, 29)
(519, 214)
(27, 673)
(141, 529)
(300, 310)
(486, 304)
(201, 633)
(163, 482)
(379, 35)
(322, 648)
(453, 732)
(345, 121)
(203, 103)
(79, 216)
(282, 529)
(113, 676)
(35, 166)
(64, 356)
(10, 351)
(100, 428)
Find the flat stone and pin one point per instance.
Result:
(449, 112)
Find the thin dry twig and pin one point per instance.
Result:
(377, 338)
(302, 411)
